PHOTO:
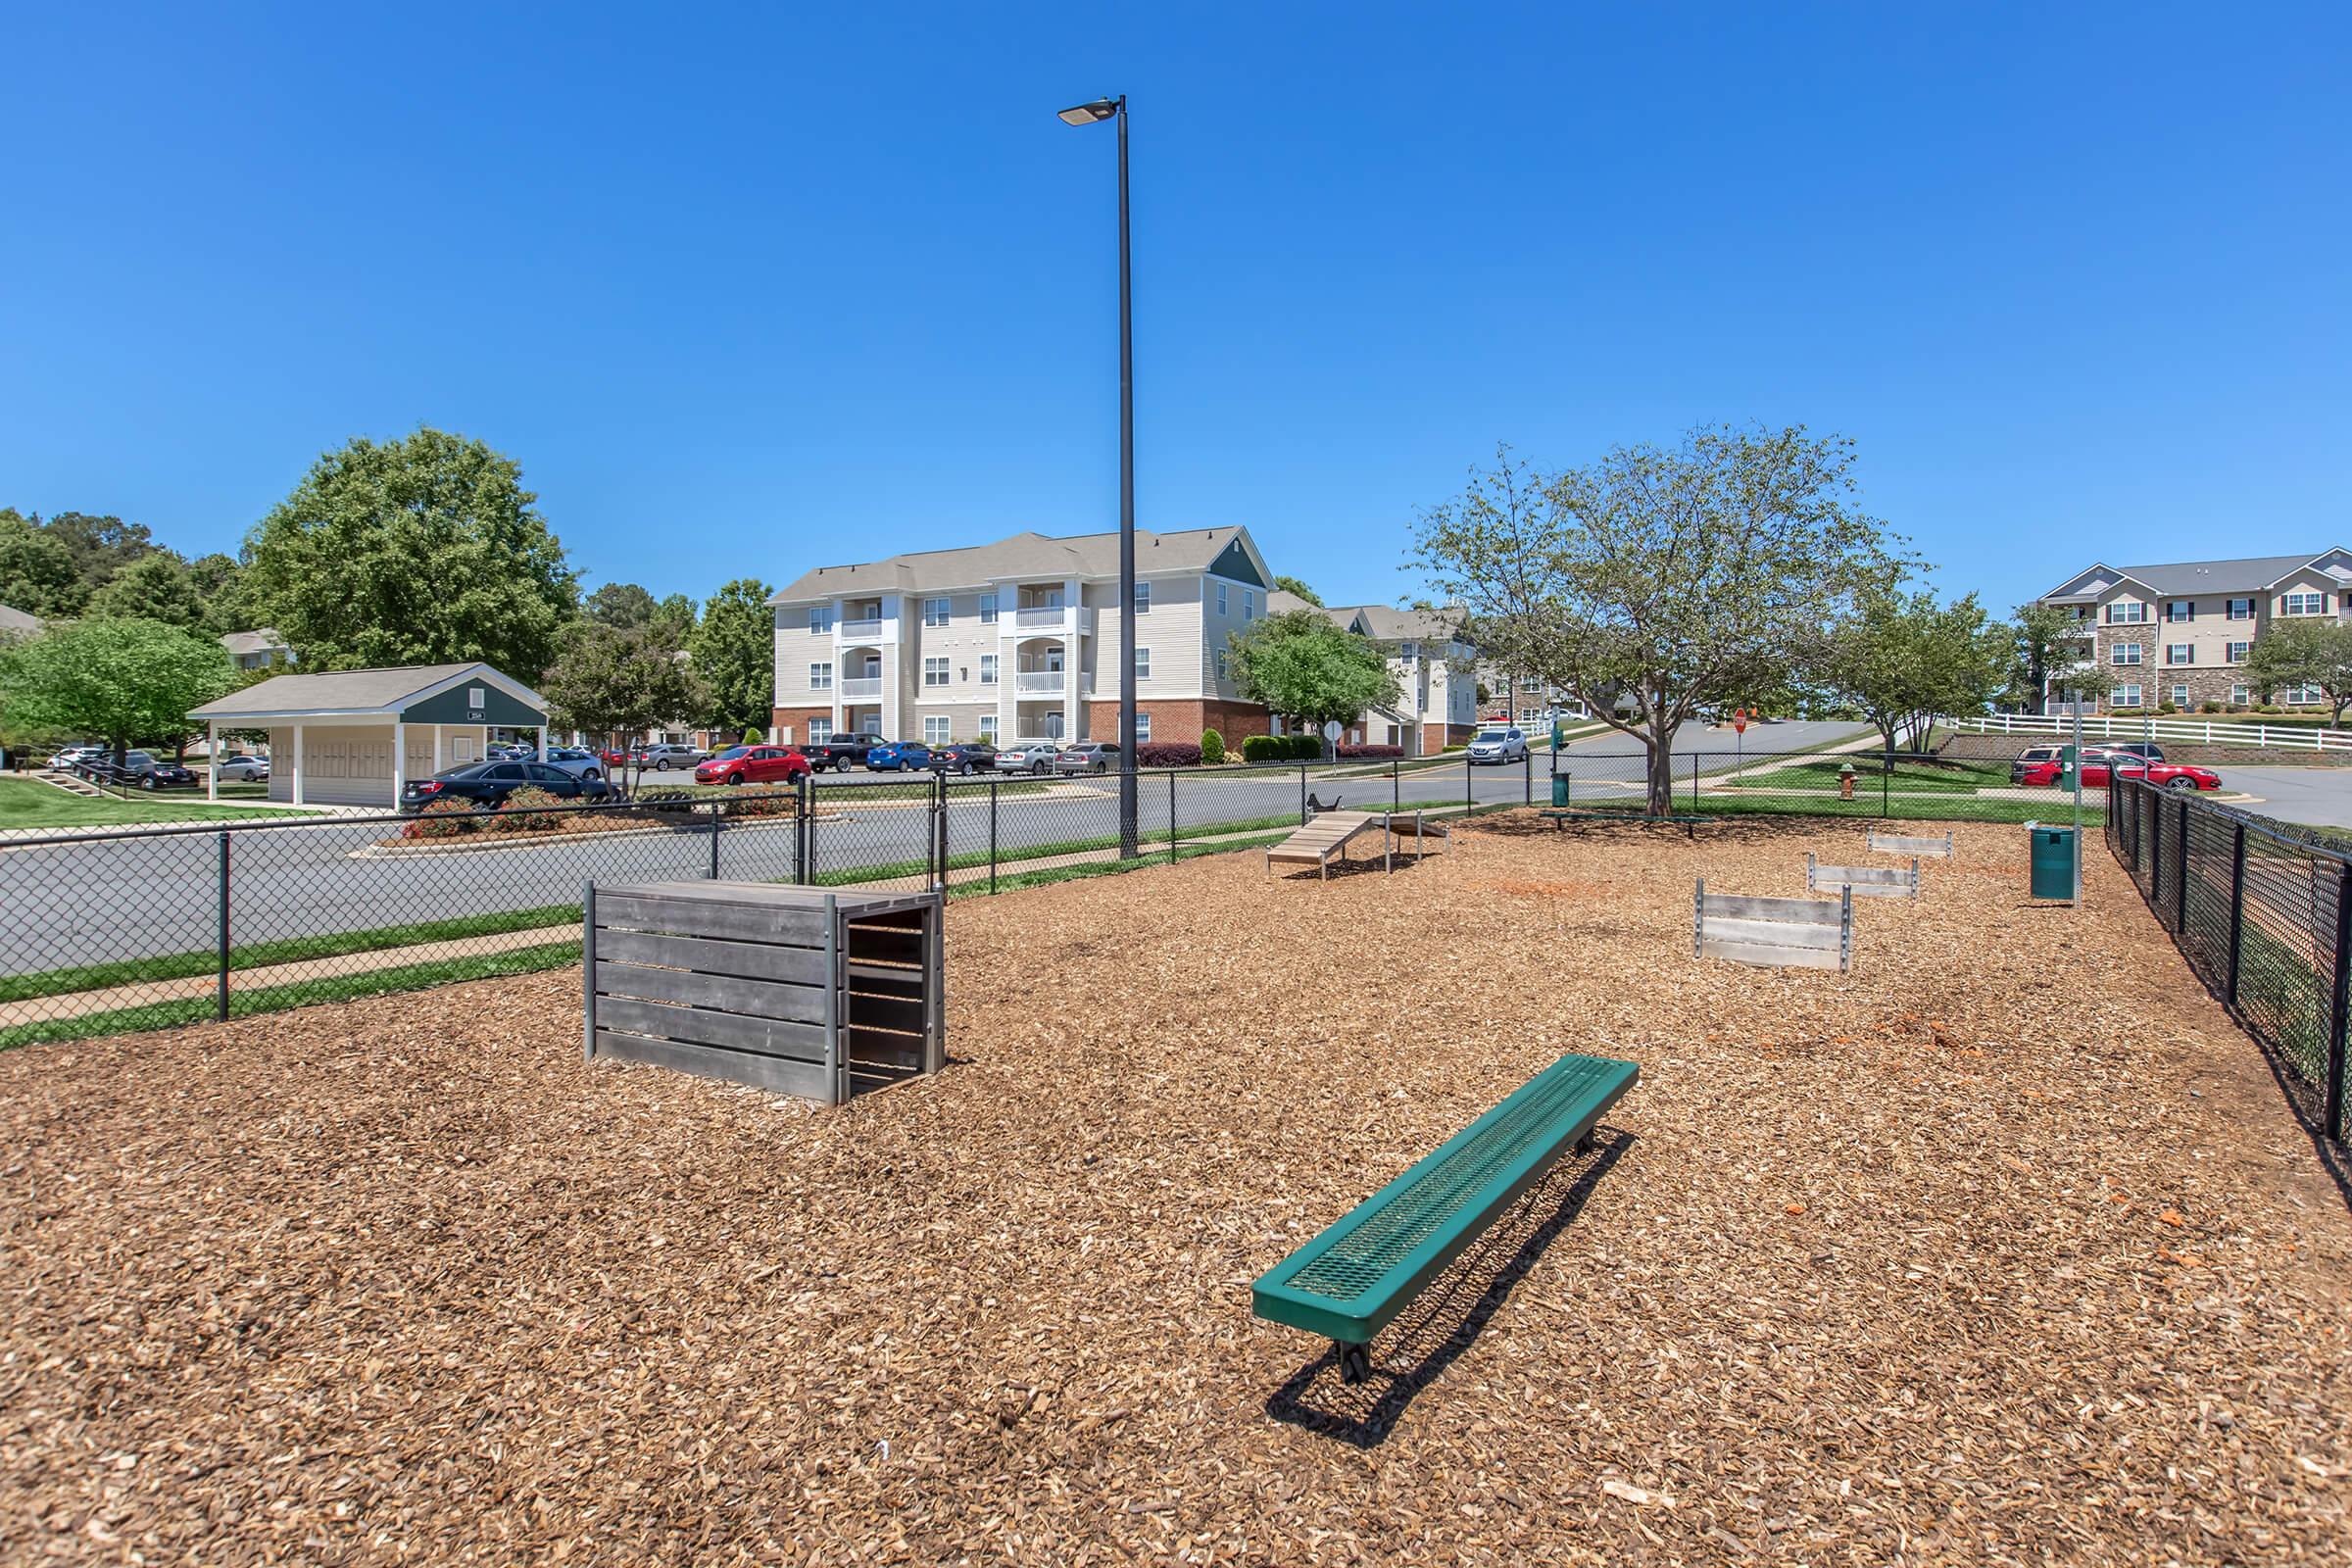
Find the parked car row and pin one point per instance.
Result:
(489, 783)
(2044, 765)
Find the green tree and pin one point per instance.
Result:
(131, 683)
(2302, 652)
(100, 547)
(425, 549)
(618, 684)
(1303, 667)
(2051, 656)
(154, 587)
(1675, 579)
(619, 603)
(1902, 659)
(674, 622)
(1292, 585)
(734, 650)
(37, 575)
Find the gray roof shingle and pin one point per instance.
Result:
(1024, 555)
(332, 690)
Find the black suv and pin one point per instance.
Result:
(964, 756)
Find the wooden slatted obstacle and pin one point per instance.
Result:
(1901, 844)
(1865, 881)
(808, 993)
(1776, 933)
(1325, 838)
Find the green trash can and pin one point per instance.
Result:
(2053, 861)
(1560, 789)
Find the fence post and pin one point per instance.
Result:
(221, 1001)
(937, 850)
(808, 865)
(1887, 784)
(992, 835)
(1527, 776)
(2179, 874)
(2155, 854)
(1693, 782)
(1469, 796)
(1302, 795)
(718, 810)
(1396, 788)
(2335, 1112)
(2237, 906)
(1171, 816)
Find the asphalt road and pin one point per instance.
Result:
(107, 899)
(2318, 797)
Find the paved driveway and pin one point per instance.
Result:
(2319, 797)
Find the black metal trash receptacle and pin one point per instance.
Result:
(2053, 861)
(1560, 789)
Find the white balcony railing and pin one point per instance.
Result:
(1041, 615)
(849, 630)
(1030, 681)
(862, 686)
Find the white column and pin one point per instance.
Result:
(302, 771)
(438, 764)
(400, 759)
(543, 743)
(212, 744)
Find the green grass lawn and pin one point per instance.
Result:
(30, 803)
(1958, 777)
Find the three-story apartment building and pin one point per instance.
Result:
(1020, 640)
(2179, 633)
(1434, 667)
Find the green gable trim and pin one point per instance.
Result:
(1234, 564)
(498, 706)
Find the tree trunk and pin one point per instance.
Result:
(1661, 776)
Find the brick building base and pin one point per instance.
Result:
(1182, 719)
(798, 718)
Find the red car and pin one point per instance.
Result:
(2095, 770)
(753, 765)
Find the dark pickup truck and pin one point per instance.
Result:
(841, 752)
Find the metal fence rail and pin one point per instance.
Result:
(2260, 913)
(108, 930)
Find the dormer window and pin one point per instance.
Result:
(2303, 603)
(2126, 612)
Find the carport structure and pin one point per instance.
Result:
(356, 736)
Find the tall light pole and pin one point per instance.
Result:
(1094, 114)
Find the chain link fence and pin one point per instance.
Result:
(104, 931)
(2259, 910)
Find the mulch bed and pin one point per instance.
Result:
(2002, 1249)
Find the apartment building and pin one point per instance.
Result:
(2179, 633)
(1435, 669)
(1019, 640)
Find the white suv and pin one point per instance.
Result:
(1498, 746)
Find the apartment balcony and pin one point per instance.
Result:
(1039, 682)
(858, 630)
(1047, 615)
(860, 688)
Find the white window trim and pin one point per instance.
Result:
(1143, 728)
(988, 609)
(1143, 663)
(1143, 599)
(938, 612)
(820, 676)
(988, 726)
(942, 724)
(943, 671)
(988, 669)
(2117, 650)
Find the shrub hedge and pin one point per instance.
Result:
(1351, 753)
(1213, 748)
(1168, 754)
(442, 819)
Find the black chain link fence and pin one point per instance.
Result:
(2259, 910)
(108, 931)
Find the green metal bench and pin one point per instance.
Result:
(1349, 1281)
(1690, 824)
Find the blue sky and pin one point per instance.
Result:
(748, 290)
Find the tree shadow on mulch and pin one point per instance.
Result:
(1448, 1317)
(1743, 828)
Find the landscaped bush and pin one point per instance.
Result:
(1262, 749)
(770, 802)
(1305, 748)
(2166, 707)
(442, 819)
(2209, 706)
(1351, 753)
(1213, 748)
(1167, 754)
(527, 811)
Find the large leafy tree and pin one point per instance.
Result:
(1902, 659)
(154, 587)
(735, 656)
(2304, 653)
(619, 684)
(129, 682)
(1297, 585)
(1676, 578)
(625, 604)
(37, 575)
(100, 546)
(1304, 667)
(425, 549)
(2051, 656)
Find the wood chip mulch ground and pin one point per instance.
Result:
(2002, 1249)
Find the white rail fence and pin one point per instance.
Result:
(2302, 737)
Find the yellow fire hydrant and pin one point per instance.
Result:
(1845, 781)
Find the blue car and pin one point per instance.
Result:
(893, 756)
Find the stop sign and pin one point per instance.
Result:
(1738, 720)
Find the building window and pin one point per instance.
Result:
(2235, 653)
(820, 678)
(1220, 598)
(1530, 683)
(1220, 663)
(935, 671)
(988, 669)
(821, 618)
(2179, 653)
(1248, 604)
(934, 611)
(2240, 694)
(820, 730)
(1142, 729)
(1408, 652)
(1143, 599)
(2240, 609)
(2303, 604)
(988, 726)
(2181, 694)
(988, 609)
(2126, 653)
(2126, 612)
(2127, 697)
(1142, 663)
(2181, 610)
(1527, 719)
(2303, 694)
(935, 729)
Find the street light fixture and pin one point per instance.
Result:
(1094, 113)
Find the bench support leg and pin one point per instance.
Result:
(1355, 1361)
(1587, 1144)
